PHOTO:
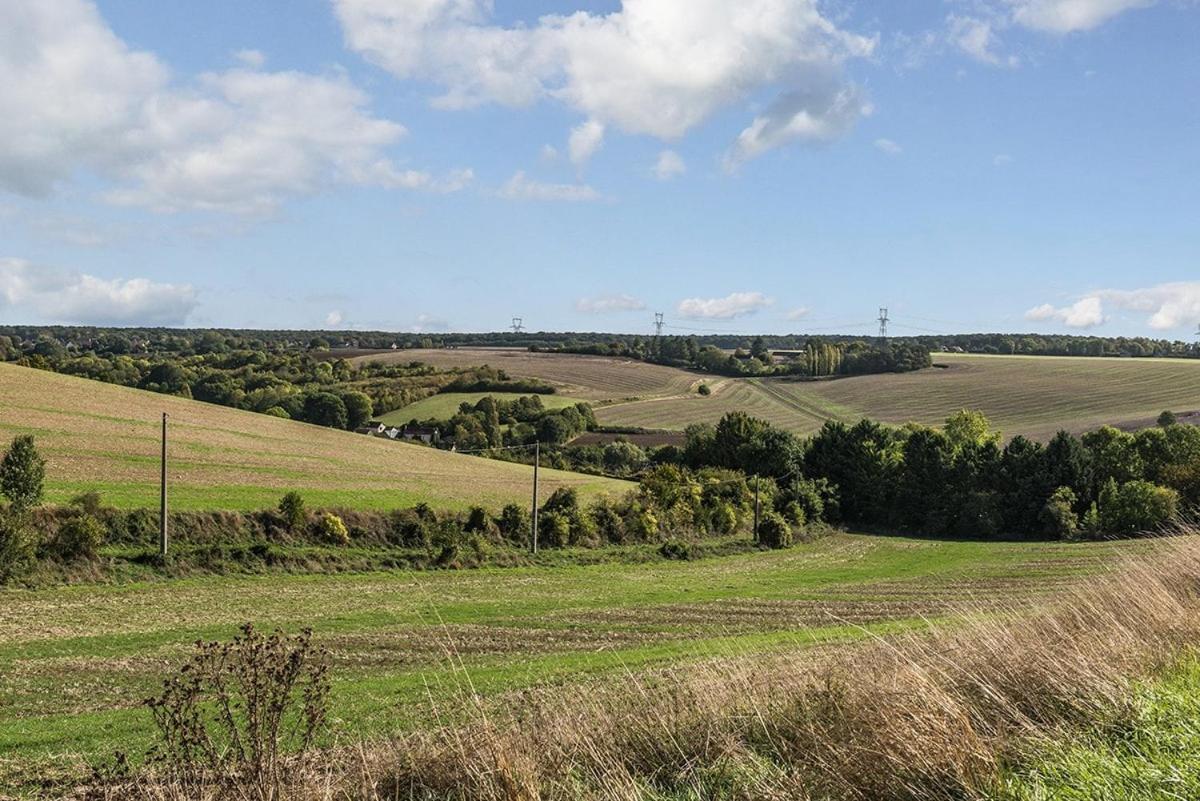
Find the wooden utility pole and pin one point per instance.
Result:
(162, 505)
(537, 454)
(756, 509)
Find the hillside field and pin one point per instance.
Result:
(1031, 395)
(102, 437)
(74, 660)
(445, 405)
(591, 378)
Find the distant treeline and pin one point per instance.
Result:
(167, 339)
(273, 375)
(814, 358)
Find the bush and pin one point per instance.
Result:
(80, 537)
(1135, 507)
(724, 518)
(554, 530)
(774, 531)
(291, 509)
(333, 530)
(22, 474)
(1167, 419)
(794, 513)
(704, 389)
(88, 502)
(478, 521)
(514, 523)
(235, 711)
(675, 549)
(1058, 515)
(17, 545)
(607, 522)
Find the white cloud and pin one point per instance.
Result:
(818, 114)
(250, 58)
(586, 138)
(334, 319)
(656, 67)
(427, 323)
(64, 296)
(76, 99)
(1001, 160)
(669, 165)
(798, 313)
(976, 36)
(604, 304)
(1066, 16)
(737, 304)
(1165, 306)
(520, 187)
(888, 146)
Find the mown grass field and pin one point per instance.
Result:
(74, 661)
(101, 437)
(445, 405)
(1030, 395)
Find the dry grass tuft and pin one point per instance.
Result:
(929, 715)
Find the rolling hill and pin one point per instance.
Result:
(101, 437)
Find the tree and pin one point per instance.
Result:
(1167, 419)
(291, 509)
(22, 474)
(1058, 515)
(1135, 507)
(325, 409)
(359, 409)
(965, 428)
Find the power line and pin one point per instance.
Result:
(658, 324)
(517, 325)
(883, 324)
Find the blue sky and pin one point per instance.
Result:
(772, 165)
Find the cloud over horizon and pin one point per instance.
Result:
(70, 297)
(736, 304)
(1166, 307)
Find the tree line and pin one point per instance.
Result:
(269, 376)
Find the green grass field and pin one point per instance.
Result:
(1030, 395)
(75, 660)
(106, 438)
(445, 405)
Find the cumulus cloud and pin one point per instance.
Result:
(604, 304)
(77, 99)
(64, 296)
(888, 146)
(1165, 306)
(427, 323)
(978, 33)
(656, 67)
(737, 304)
(977, 37)
(521, 187)
(585, 140)
(334, 319)
(669, 165)
(1066, 16)
(817, 114)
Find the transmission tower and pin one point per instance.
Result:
(883, 323)
(517, 325)
(658, 324)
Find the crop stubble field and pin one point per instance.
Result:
(1030, 395)
(103, 437)
(75, 660)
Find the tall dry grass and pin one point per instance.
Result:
(928, 715)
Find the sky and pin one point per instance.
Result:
(774, 166)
